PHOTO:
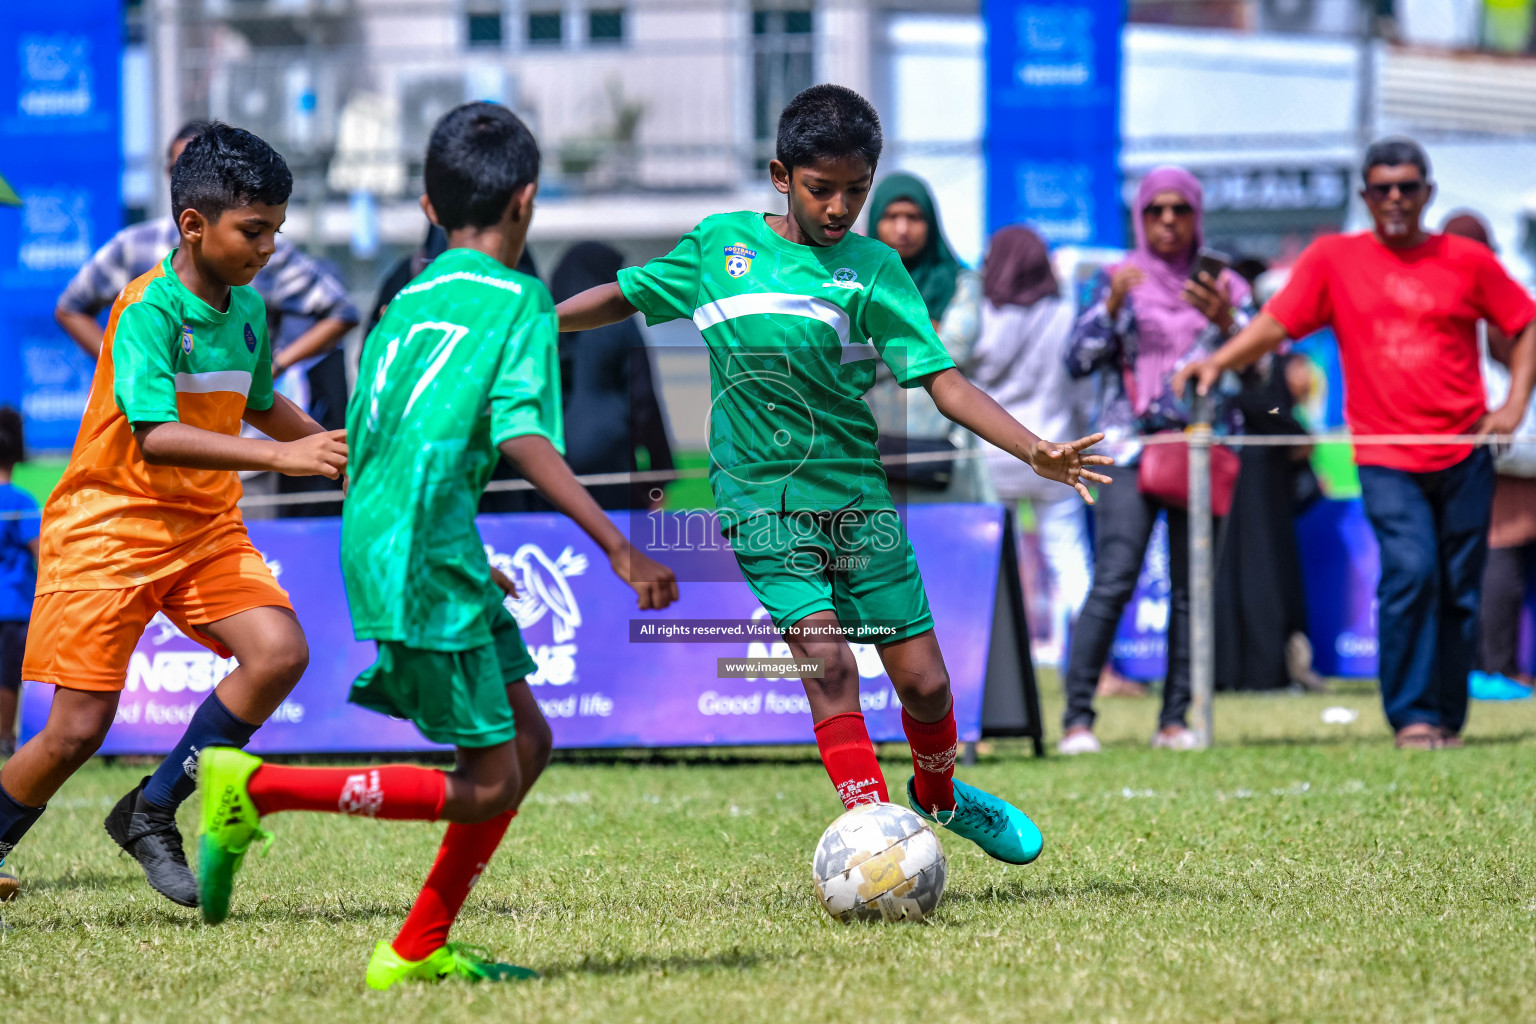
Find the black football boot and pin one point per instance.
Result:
(150, 835)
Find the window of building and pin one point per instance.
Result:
(783, 52)
(484, 28)
(545, 28)
(605, 26)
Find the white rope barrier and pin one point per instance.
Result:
(662, 476)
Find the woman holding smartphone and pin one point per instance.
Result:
(1166, 304)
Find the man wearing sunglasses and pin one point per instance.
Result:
(1404, 304)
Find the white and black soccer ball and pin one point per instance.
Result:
(879, 862)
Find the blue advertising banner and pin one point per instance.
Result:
(61, 151)
(602, 680)
(1053, 118)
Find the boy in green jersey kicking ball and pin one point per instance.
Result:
(795, 310)
(463, 362)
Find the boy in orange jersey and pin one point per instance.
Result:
(145, 518)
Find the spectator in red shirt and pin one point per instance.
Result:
(1405, 305)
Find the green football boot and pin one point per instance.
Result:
(456, 959)
(1002, 831)
(228, 827)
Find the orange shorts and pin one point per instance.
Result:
(83, 639)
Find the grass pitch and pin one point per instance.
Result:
(1313, 873)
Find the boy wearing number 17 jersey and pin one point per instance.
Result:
(463, 363)
(795, 310)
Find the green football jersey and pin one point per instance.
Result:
(168, 343)
(793, 334)
(464, 358)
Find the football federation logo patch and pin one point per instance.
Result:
(738, 260)
(186, 338)
(250, 339)
(845, 277)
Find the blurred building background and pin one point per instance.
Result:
(652, 113)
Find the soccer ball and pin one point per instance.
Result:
(879, 862)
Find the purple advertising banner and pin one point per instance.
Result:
(1140, 650)
(1340, 565)
(596, 686)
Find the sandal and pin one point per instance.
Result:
(1419, 736)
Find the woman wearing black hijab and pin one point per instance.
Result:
(613, 419)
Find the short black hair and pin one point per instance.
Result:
(828, 121)
(191, 130)
(12, 442)
(224, 167)
(479, 154)
(1395, 151)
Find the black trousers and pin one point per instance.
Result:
(1503, 595)
(1123, 519)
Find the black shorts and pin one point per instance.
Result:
(13, 644)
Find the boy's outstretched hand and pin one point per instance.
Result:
(655, 584)
(966, 404)
(323, 454)
(1064, 462)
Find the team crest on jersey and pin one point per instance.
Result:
(738, 260)
(186, 338)
(250, 339)
(845, 277)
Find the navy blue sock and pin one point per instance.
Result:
(212, 726)
(15, 819)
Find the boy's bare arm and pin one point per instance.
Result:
(173, 443)
(964, 403)
(593, 308)
(542, 466)
(1263, 334)
(285, 421)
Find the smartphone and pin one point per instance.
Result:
(1210, 262)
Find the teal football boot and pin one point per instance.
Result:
(1002, 831)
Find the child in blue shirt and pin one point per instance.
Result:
(19, 520)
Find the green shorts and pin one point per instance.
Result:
(856, 563)
(455, 697)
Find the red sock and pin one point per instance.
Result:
(399, 791)
(465, 851)
(933, 760)
(849, 758)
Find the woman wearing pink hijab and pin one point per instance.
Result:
(1148, 318)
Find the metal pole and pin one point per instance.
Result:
(1202, 610)
(167, 51)
(1365, 73)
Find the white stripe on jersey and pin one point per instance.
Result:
(238, 381)
(733, 306)
(462, 275)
